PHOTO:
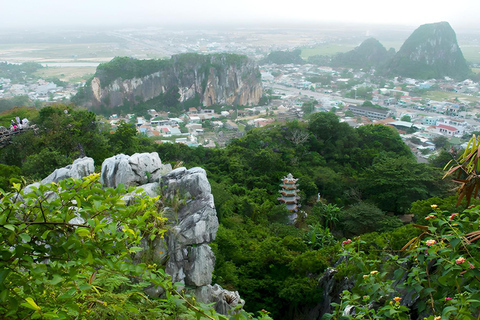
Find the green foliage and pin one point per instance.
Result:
(319, 60)
(18, 103)
(63, 133)
(324, 80)
(440, 142)
(6, 174)
(365, 217)
(443, 261)
(394, 183)
(18, 72)
(327, 214)
(284, 57)
(38, 165)
(70, 250)
(128, 68)
(370, 53)
(308, 107)
(256, 253)
(319, 237)
(437, 54)
(56, 268)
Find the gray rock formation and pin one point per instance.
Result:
(214, 79)
(80, 168)
(224, 300)
(332, 289)
(189, 206)
(135, 170)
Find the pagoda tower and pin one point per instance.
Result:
(289, 193)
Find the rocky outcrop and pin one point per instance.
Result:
(212, 79)
(224, 300)
(135, 170)
(331, 289)
(431, 51)
(193, 224)
(190, 207)
(80, 168)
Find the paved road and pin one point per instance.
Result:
(399, 110)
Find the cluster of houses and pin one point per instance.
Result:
(40, 89)
(424, 128)
(190, 126)
(392, 100)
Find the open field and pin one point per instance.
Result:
(330, 49)
(442, 95)
(471, 53)
(57, 52)
(69, 74)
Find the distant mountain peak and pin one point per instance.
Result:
(431, 51)
(370, 53)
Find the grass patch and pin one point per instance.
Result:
(476, 70)
(442, 95)
(57, 52)
(471, 53)
(70, 74)
(330, 49)
(326, 50)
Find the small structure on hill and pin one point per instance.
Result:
(289, 193)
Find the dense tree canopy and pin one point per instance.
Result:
(351, 181)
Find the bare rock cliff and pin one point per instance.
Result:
(227, 79)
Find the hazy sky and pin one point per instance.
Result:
(30, 13)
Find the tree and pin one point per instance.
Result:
(375, 140)
(440, 142)
(394, 183)
(75, 250)
(361, 218)
(70, 255)
(406, 118)
(332, 136)
(6, 174)
(308, 107)
(123, 139)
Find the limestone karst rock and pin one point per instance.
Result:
(370, 53)
(188, 203)
(431, 51)
(211, 79)
(135, 170)
(80, 168)
(195, 224)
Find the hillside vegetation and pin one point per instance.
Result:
(355, 184)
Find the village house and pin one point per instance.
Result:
(369, 112)
(448, 130)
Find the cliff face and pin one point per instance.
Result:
(431, 51)
(215, 79)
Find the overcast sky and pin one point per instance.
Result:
(31, 13)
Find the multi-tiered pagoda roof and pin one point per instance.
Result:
(289, 193)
